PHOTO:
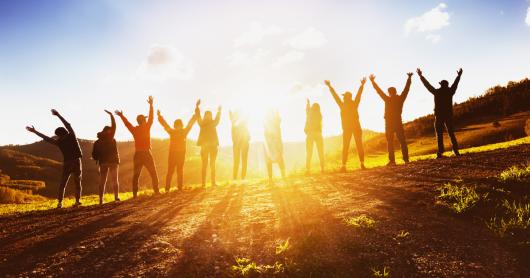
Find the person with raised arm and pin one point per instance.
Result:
(177, 148)
(313, 131)
(105, 153)
(273, 144)
(208, 141)
(443, 110)
(351, 125)
(142, 143)
(393, 122)
(67, 142)
(240, 144)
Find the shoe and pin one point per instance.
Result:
(116, 199)
(391, 163)
(363, 167)
(59, 205)
(343, 169)
(77, 203)
(101, 202)
(457, 153)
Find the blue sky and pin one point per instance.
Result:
(85, 56)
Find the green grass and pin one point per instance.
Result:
(381, 273)
(515, 174)
(13, 196)
(282, 247)
(402, 235)
(246, 267)
(361, 221)
(516, 217)
(458, 197)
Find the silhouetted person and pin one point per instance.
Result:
(208, 141)
(240, 144)
(142, 143)
(393, 122)
(274, 144)
(177, 148)
(313, 131)
(105, 153)
(69, 146)
(443, 110)
(350, 122)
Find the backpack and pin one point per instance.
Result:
(96, 151)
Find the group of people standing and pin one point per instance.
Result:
(105, 149)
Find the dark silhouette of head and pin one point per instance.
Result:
(177, 124)
(444, 84)
(105, 132)
(61, 132)
(347, 96)
(392, 91)
(208, 116)
(140, 119)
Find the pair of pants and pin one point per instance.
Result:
(314, 139)
(240, 155)
(176, 160)
(144, 159)
(208, 154)
(104, 170)
(439, 123)
(346, 138)
(71, 168)
(391, 128)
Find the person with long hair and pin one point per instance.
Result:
(208, 141)
(313, 131)
(240, 144)
(105, 153)
(273, 144)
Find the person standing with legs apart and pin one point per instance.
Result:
(142, 143)
(443, 110)
(274, 144)
(208, 141)
(67, 142)
(393, 122)
(349, 115)
(240, 144)
(313, 131)
(105, 153)
(177, 148)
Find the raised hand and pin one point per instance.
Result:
(158, 113)
(30, 129)
(327, 83)
(150, 100)
(460, 71)
(54, 112)
(108, 112)
(372, 77)
(410, 74)
(198, 103)
(219, 108)
(118, 113)
(363, 80)
(307, 101)
(418, 70)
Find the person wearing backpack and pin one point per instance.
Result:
(105, 153)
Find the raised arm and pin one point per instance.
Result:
(151, 111)
(44, 137)
(126, 122)
(333, 93)
(112, 123)
(360, 92)
(426, 83)
(307, 106)
(198, 112)
(378, 90)
(163, 122)
(457, 80)
(190, 124)
(406, 90)
(65, 123)
(217, 116)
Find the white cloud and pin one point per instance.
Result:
(307, 90)
(289, 58)
(255, 34)
(309, 39)
(434, 38)
(165, 62)
(435, 19)
(527, 20)
(241, 58)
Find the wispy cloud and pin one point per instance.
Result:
(433, 20)
(256, 34)
(290, 57)
(245, 58)
(527, 20)
(311, 38)
(165, 62)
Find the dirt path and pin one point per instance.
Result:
(199, 233)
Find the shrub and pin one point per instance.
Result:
(516, 217)
(361, 221)
(12, 196)
(383, 273)
(458, 197)
(515, 174)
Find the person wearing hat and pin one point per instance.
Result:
(105, 153)
(142, 144)
(350, 122)
(67, 142)
(393, 121)
(443, 110)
